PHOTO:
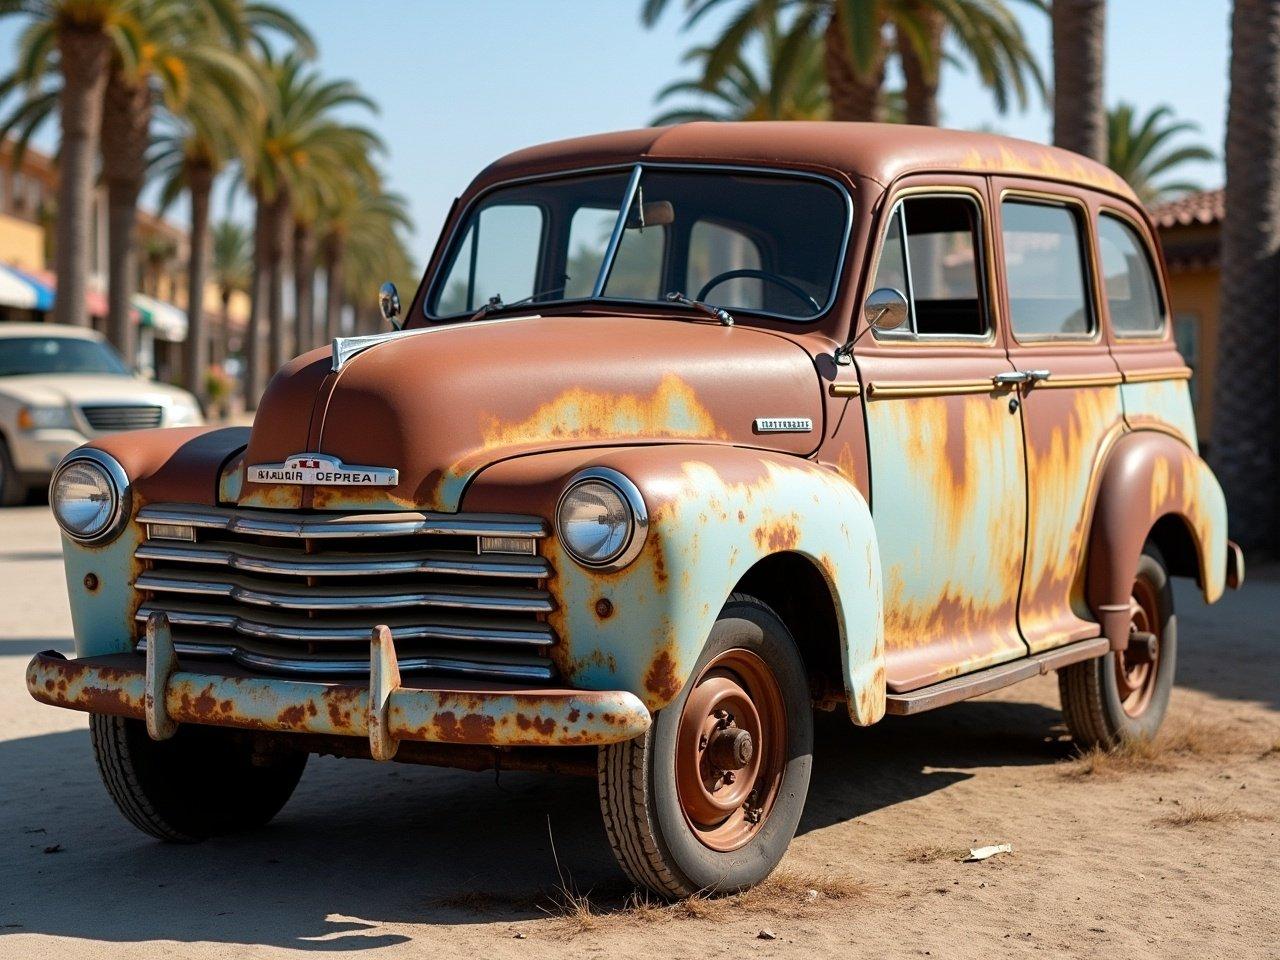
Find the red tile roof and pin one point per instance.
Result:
(1202, 208)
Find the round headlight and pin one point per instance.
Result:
(87, 495)
(601, 519)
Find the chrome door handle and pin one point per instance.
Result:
(1036, 376)
(1010, 378)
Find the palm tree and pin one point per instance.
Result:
(232, 268)
(855, 53)
(1138, 150)
(1079, 117)
(358, 222)
(1246, 389)
(299, 143)
(80, 37)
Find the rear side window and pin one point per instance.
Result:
(931, 256)
(1044, 265)
(1133, 299)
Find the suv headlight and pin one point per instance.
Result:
(183, 414)
(601, 519)
(89, 495)
(45, 418)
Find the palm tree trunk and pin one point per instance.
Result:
(252, 350)
(223, 348)
(853, 96)
(1246, 401)
(304, 284)
(126, 130)
(1079, 114)
(334, 254)
(84, 58)
(920, 73)
(277, 255)
(200, 184)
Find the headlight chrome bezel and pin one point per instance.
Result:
(119, 482)
(631, 496)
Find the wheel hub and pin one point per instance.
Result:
(730, 749)
(1136, 665)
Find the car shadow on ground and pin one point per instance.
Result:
(362, 845)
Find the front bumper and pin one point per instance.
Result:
(386, 711)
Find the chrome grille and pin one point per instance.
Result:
(299, 593)
(132, 417)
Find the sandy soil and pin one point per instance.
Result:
(1173, 853)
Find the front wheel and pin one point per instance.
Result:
(710, 797)
(202, 782)
(1124, 694)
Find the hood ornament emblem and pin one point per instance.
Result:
(320, 469)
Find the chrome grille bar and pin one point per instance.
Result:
(267, 523)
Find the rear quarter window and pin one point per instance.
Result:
(1133, 296)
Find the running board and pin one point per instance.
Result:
(993, 678)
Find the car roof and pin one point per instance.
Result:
(47, 330)
(879, 151)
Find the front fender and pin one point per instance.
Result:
(714, 511)
(1150, 475)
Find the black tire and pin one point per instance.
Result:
(202, 782)
(652, 839)
(1092, 701)
(12, 490)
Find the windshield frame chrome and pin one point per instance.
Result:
(637, 170)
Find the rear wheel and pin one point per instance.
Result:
(1124, 694)
(710, 797)
(202, 782)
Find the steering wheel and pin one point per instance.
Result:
(790, 286)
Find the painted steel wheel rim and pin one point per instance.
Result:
(731, 750)
(1135, 671)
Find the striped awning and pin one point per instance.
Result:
(94, 300)
(23, 291)
(165, 320)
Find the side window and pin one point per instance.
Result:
(1045, 272)
(931, 255)
(715, 249)
(499, 256)
(1133, 299)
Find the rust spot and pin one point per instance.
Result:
(777, 536)
(293, 716)
(662, 680)
(574, 714)
(544, 726)
(471, 728)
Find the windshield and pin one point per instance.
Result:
(756, 242)
(26, 355)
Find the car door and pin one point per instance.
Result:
(1071, 408)
(945, 446)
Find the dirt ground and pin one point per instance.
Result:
(1169, 851)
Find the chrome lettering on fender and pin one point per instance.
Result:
(322, 470)
(783, 425)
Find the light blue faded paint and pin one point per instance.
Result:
(1167, 402)
(713, 515)
(102, 618)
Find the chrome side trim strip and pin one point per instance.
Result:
(249, 559)
(316, 526)
(289, 597)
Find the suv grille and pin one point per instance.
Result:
(300, 592)
(122, 418)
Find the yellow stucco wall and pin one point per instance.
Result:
(21, 243)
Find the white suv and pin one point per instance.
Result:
(61, 386)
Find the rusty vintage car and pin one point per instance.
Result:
(685, 432)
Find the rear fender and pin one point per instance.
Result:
(1148, 476)
(714, 512)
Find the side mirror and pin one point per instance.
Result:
(389, 303)
(885, 309)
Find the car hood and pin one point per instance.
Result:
(59, 389)
(440, 404)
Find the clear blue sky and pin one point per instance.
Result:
(461, 82)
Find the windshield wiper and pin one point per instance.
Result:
(495, 302)
(718, 313)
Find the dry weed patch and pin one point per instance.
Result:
(1186, 739)
(1200, 812)
(932, 854)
